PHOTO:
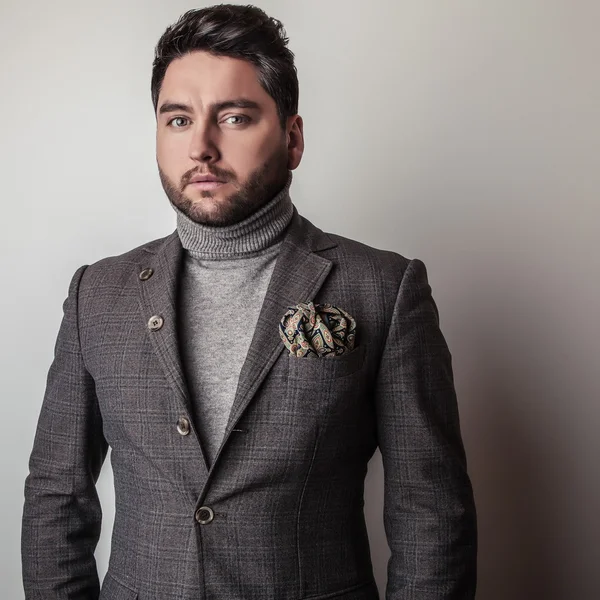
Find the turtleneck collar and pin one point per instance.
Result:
(262, 229)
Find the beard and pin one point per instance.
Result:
(262, 185)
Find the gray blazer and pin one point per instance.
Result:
(279, 514)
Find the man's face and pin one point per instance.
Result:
(214, 119)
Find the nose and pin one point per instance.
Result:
(203, 145)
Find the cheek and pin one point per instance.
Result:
(169, 146)
(248, 153)
(171, 156)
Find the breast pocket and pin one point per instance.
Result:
(327, 386)
(314, 370)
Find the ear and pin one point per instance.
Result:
(295, 141)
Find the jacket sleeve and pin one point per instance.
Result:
(429, 511)
(62, 515)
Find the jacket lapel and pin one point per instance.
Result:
(298, 275)
(158, 298)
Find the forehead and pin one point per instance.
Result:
(204, 78)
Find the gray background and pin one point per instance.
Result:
(464, 133)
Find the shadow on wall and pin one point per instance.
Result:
(380, 551)
(518, 516)
(509, 386)
(515, 400)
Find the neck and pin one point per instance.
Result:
(260, 230)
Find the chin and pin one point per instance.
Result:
(207, 210)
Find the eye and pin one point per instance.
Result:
(175, 119)
(241, 119)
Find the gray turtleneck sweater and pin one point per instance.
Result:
(225, 274)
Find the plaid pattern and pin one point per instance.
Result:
(286, 485)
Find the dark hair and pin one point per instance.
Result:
(244, 32)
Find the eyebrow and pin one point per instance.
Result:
(217, 107)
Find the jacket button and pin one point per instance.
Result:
(146, 274)
(204, 515)
(155, 323)
(183, 426)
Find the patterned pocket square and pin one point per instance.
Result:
(317, 330)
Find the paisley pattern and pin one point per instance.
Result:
(317, 330)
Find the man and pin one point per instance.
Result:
(243, 370)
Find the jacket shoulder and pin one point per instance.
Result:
(116, 269)
(367, 262)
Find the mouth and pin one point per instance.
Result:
(210, 184)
